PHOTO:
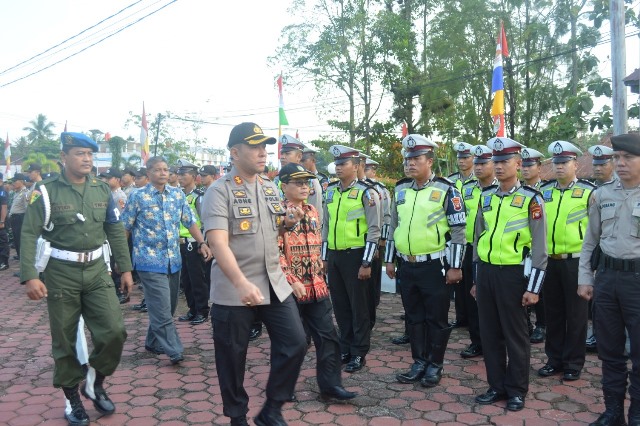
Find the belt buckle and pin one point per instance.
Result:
(411, 258)
(82, 257)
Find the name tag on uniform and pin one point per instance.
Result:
(518, 201)
(547, 195)
(577, 193)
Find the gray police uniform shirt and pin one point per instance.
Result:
(315, 198)
(614, 223)
(119, 198)
(20, 202)
(251, 214)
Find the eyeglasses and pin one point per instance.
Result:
(299, 183)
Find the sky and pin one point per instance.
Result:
(205, 58)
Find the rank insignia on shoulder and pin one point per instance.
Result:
(260, 180)
(353, 194)
(518, 201)
(436, 196)
(577, 193)
(239, 193)
(244, 211)
(269, 191)
(245, 225)
(34, 196)
(237, 180)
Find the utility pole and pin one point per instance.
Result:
(618, 67)
(158, 120)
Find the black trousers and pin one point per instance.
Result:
(16, 228)
(350, 297)
(4, 246)
(318, 316)
(503, 327)
(470, 303)
(376, 288)
(566, 314)
(231, 326)
(192, 280)
(617, 303)
(460, 302)
(425, 294)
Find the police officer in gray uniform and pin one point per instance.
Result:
(611, 248)
(242, 214)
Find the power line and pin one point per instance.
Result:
(89, 46)
(70, 38)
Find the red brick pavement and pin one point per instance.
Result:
(149, 391)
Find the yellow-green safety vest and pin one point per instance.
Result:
(567, 216)
(191, 200)
(420, 213)
(347, 222)
(507, 233)
(471, 195)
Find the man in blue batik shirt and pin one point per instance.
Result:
(153, 215)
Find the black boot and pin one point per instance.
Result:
(94, 391)
(78, 416)
(634, 412)
(271, 414)
(433, 373)
(614, 411)
(418, 339)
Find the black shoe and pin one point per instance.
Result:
(94, 391)
(345, 358)
(254, 333)
(571, 375)
(176, 359)
(591, 344)
(432, 375)
(471, 351)
(269, 417)
(186, 317)
(198, 319)
(3, 266)
(549, 370)
(489, 397)
(239, 421)
(401, 340)
(16, 274)
(140, 306)
(538, 335)
(356, 364)
(457, 324)
(413, 375)
(339, 393)
(610, 419)
(402, 317)
(515, 403)
(293, 398)
(124, 298)
(78, 416)
(16, 257)
(153, 350)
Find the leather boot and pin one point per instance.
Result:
(614, 411)
(439, 341)
(417, 339)
(271, 414)
(634, 412)
(95, 392)
(76, 416)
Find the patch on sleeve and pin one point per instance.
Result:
(35, 194)
(535, 209)
(457, 203)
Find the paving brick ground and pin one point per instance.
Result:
(149, 391)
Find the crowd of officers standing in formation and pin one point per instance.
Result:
(293, 252)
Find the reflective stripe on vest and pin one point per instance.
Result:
(471, 195)
(422, 220)
(506, 232)
(191, 200)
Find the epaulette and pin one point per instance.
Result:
(470, 182)
(198, 191)
(489, 189)
(608, 182)
(444, 180)
(334, 183)
(586, 183)
(322, 175)
(403, 180)
(548, 182)
(454, 176)
(365, 185)
(49, 179)
(265, 178)
(530, 191)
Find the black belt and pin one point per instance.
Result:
(626, 265)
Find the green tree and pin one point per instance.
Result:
(39, 129)
(48, 165)
(116, 145)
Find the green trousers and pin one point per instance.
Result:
(73, 289)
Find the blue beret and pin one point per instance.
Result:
(77, 140)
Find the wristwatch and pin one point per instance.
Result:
(203, 243)
(366, 264)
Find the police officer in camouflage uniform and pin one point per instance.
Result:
(611, 248)
(82, 217)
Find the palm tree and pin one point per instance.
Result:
(40, 130)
